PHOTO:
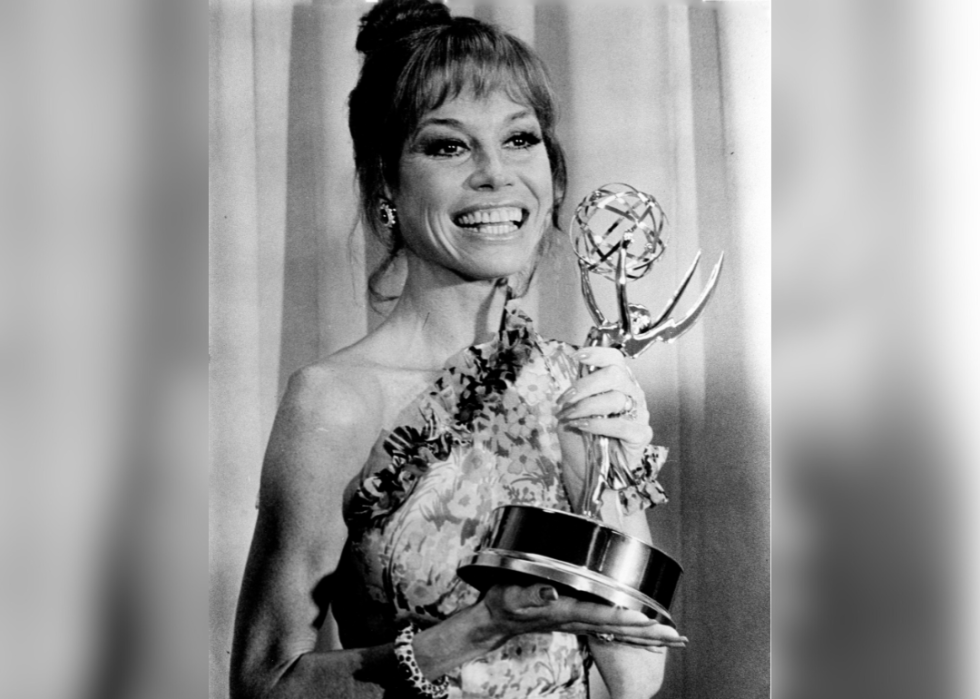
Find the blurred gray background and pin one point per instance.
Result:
(103, 384)
(671, 98)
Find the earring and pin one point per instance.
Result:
(387, 214)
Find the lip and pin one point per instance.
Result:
(486, 206)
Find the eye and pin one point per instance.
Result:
(444, 147)
(524, 139)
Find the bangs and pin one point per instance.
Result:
(473, 62)
(474, 75)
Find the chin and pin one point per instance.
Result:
(496, 269)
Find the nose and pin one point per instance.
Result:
(492, 172)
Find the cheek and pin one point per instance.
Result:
(543, 181)
(546, 196)
(429, 192)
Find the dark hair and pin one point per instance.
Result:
(416, 57)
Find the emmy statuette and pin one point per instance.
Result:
(616, 233)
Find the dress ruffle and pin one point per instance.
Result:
(457, 406)
(642, 490)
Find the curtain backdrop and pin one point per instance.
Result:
(672, 98)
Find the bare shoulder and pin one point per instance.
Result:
(333, 393)
(329, 420)
(327, 423)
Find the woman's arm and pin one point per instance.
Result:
(321, 434)
(630, 672)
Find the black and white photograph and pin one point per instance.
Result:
(490, 362)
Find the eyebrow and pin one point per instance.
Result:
(456, 123)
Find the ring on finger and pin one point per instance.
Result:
(605, 637)
(631, 409)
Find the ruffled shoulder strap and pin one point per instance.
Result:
(467, 389)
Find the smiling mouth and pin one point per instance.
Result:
(499, 221)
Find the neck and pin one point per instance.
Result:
(438, 314)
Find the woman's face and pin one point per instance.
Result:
(475, 188)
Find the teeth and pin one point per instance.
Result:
(496, 229)
(509, 215)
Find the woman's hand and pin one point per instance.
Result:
(538, 608)
(608, 402)
(509, 610)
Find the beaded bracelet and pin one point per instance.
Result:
(410, 670)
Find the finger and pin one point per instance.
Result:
(655, 633)
(652, 647)
(622, 428)
(639, 641)
(651, 630)
(518, 598)
(601, 405)
(590, 616)
(601, 381)
(600, 356)
(632, 639)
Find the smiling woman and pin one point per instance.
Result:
(417, 58)
(409, 439)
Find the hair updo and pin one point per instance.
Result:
(416, 57)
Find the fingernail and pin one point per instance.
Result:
(582, 356)
(548, 594)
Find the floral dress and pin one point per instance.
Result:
(483, 435)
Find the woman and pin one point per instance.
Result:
(386, 459)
